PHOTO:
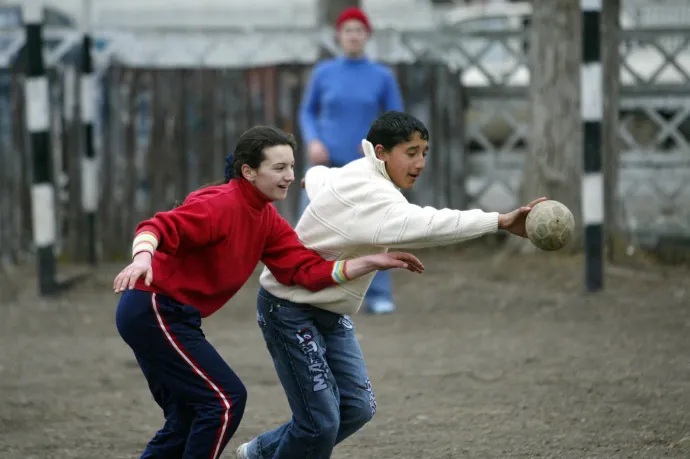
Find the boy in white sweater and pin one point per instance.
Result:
(354, 210)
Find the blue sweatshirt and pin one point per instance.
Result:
(341, 101)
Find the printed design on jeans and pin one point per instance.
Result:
(260, 319)
(372, 398)
(318, 370)
(346, 322)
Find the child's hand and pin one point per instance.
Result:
(515, 221)
(140, 266)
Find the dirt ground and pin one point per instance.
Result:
(482, 360)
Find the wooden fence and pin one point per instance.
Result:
(163, 133)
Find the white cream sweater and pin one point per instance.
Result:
(356, 210)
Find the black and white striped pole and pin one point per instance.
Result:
(38, 123)
(89, 184)
(592, 114)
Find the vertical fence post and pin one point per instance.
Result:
(457, 108)
(38, 123)
(592, 114)
(89, 167)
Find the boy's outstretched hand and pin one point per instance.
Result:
(514, 221)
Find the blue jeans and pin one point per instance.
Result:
(320, 365)
(381, 287)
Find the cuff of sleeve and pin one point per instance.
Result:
(490, 222)
(339, 273)
(145, 241)
(323, 276)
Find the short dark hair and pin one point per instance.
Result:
(394, 127)
(251, 146)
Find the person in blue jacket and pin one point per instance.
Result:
(344, 96)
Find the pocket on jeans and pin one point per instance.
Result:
(291, 316)
(263, 310)
(292, 308)
(266, 329)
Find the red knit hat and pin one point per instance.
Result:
(353, 13)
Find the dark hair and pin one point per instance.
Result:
(251, 146)
(393, 128)
(250, 151)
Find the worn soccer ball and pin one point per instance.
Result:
(550, 225)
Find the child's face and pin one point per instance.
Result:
(405, 161)
(275, 173)
(353, 36)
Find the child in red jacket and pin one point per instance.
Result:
(188, 262)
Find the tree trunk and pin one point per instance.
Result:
(610, 61)
(553, 161)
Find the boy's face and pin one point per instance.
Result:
(405, 161)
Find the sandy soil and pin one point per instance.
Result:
(482, 360)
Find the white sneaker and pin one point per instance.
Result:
(380, 306)
(242, 451)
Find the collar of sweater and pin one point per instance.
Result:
(255, 198)
(379, 165)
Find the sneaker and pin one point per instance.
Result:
(380, 306)
(242, 451)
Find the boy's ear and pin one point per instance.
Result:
(380, 151)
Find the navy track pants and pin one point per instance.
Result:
(202, 399)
